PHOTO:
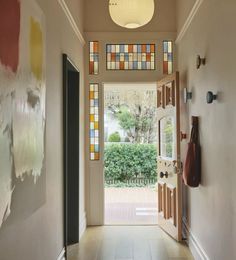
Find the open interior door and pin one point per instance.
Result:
(169, 164)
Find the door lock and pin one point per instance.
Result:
(176, 169)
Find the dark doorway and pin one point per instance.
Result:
(71, 79)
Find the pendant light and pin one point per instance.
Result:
(131, 13)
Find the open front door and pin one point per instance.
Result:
(169, 164)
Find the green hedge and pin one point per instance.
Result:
(125, 161)
(114, 137)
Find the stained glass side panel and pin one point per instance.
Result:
(94, 122)
(93, 58)
(168, 57)
(130, 56)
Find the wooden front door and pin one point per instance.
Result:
(169, 164)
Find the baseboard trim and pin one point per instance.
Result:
(189, 20)
(62, 255)
(195, 247)
(71, 20)
(82, 225)
(82, 228)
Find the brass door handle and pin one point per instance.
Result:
(162, 174)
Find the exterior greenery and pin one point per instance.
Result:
(115, 137)
(139, 123)
(127, 161)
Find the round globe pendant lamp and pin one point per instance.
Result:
(131, 13)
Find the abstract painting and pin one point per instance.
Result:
(22, 105)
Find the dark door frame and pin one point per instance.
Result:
(71, 86)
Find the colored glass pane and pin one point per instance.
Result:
(94, 122)
(93, 58)
(130, 56)
(167, 57)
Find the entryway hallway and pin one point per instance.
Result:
(128, 243)
(53, 176)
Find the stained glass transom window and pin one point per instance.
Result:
(168, 57)
(94, 122)
(93, 58)
(130, 56)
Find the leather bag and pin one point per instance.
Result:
(192, 165)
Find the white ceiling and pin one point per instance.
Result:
(97, 18)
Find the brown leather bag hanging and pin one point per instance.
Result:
(192, 165)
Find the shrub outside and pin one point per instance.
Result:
(115, 137)
(127, 161)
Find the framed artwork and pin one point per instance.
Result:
(22, 108)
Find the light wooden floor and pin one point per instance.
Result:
(128, 243)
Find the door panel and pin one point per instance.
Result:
(171, 204)
(169, 165)
(160, 97)
(161, 198)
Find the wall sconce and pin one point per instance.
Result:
(187, 95)
(210, 97)
(200, 61)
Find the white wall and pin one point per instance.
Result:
(40, 236)
(211, 208)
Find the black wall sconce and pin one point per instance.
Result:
(200, 61)
(210, 97)
(187, 95)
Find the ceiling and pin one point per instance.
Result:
(97, 18)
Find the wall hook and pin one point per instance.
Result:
(210, 97)
(183, 136)
(200, 61)
(187, 95)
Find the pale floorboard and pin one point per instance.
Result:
(128, 243)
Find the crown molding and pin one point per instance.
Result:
(189, 20)
(71, 20)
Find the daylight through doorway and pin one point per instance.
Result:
(130, 152)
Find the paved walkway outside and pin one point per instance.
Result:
(130, 206)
